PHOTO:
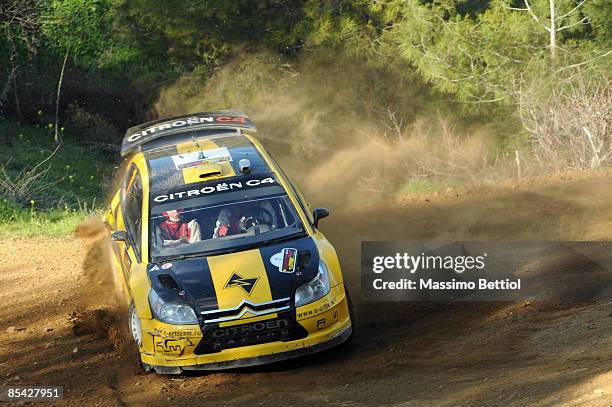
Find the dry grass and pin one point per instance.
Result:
(25, 186)
(571, 127)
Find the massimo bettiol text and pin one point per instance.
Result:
(486, 270)
(457, 264)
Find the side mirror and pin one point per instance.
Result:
(120, 236)
(318, 214)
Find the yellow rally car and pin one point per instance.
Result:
(217, 253)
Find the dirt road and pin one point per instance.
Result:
(403, 355)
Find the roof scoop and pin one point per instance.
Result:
(210, 171)
(245, 166)
(167, 281)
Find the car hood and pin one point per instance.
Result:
(268, 274)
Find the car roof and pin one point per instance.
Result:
(138, 136)
(200, 157)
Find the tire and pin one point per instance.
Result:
(133, 349)
(351, 316)
(134, 326)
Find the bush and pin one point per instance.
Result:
(570, 127)
(92, 126)
(9, 211)
(25, 186)
(76, 175)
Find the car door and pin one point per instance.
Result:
(131, 216)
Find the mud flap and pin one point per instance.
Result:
(351, 316)
(161, 369)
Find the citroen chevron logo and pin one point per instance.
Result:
(247, 284)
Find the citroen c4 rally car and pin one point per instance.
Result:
(216, 252)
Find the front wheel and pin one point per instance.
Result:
(135, 331)
(351, 316)
(135, 326)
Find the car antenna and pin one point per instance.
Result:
(195, 140)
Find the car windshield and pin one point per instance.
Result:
(204, 226)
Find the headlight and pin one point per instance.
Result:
(171, 313)
(314, 289)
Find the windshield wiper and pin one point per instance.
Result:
(195, 255)
(282, 238)
(169, 258)
(249, 246)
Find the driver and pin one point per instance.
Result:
(174, 230)
(237, 219)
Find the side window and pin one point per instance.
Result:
(132, 207)
(303, 202)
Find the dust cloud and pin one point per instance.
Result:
(101, 309)
(97, 274)
(349, 137)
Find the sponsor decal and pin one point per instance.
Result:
(238, 183)
(187, 122)
(173, 346)
(321, 323)
(247, 284)
(316, 311)
(166, 266)
(154, 268)
(193, 159)
(247, 329)
(178, 333)
(285, 260)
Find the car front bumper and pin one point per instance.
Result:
(276, 357)
(170, 349)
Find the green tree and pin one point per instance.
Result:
(19, 40)
(189, 34)
(474, 50)
(80, 27)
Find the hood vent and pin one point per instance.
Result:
(210, 171)
(167, 281)
(304, 257)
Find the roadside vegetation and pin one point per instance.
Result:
(440, 92)
(47, 193)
